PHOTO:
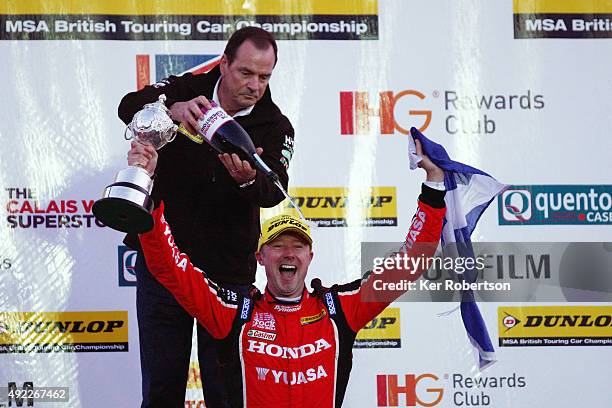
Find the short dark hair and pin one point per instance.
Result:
(258, 36)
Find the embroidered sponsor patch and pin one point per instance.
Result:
(286, 157)
(244, 314)
(311, 319)
(228, 295)
(261, 335)
(275, 350)
(262, 372)
(288, 143)
(284, 162)
(291, 377)
(265, 321)
(287, 308)
(415, 228)
(287, 152)
(329, 299)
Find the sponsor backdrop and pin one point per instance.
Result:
(518, 88)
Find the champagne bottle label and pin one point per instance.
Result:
(212, 120)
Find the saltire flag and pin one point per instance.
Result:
(469, 191)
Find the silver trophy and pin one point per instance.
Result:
(126, 204)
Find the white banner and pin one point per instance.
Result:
(502, 86)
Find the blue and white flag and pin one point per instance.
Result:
(469, 192)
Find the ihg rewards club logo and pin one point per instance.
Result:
(398, 111)
(555, 326)
(45, 332)
(430, 390)
(556, 204)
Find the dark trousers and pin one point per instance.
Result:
(165, 331)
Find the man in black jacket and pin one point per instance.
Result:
(212, 201)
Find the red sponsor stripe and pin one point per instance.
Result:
(143, 71)
(381, 388)
(347, 119)
(387, 120)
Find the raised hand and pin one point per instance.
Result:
(142, 155)
(434, 173)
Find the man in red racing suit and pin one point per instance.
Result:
(285, 347)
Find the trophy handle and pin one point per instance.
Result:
(125, 133)
(174, 129)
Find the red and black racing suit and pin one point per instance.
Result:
(279, 354)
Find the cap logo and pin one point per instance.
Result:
(287, 221)
(275, 226)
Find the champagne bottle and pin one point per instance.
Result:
(225, 135)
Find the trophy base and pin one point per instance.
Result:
(126, 204)
(123, 215)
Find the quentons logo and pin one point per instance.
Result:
(556, 204)
(516, 205)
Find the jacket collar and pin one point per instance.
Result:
(270, 298)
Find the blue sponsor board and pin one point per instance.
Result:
(126, 259)
(555, 205)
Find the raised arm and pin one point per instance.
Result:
(362, 299)
(199, 296)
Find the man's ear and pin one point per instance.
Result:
(223, 64)
(259, 257)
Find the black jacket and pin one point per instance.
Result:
(213, 220)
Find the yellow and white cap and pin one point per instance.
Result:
(275, 226)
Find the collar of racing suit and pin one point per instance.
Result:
(270, 298)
